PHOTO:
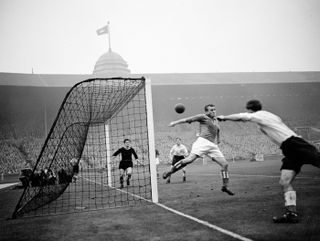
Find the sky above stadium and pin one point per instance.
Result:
(160, 36)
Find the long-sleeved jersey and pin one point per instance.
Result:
(270, 124)
(209, 128)
(126, 154)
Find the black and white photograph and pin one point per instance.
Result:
(160, 120)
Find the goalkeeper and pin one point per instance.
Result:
(296, 151)
(126, 164)
(204, 145)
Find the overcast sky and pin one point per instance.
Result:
(160, 36)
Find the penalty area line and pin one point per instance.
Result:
(205, 223)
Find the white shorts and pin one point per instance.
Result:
(203, 147)
(157, 161)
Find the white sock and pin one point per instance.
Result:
(290, 199)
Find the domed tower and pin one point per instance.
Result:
(111, 63)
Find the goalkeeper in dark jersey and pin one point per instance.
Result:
(126, 163)
(206, 144)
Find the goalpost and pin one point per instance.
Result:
(107, 134)
(74, 171)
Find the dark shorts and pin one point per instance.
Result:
(175, 159)
(75, 168)
(298, 152)
(124, 164)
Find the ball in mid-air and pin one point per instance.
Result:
(179, 108)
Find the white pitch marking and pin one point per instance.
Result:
(253, 175)
(8, 185)
(205, 223)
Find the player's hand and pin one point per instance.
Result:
(221, 118)
(172, 124)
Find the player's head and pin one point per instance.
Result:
(210, 110)
(253, 105)
(178, 140)
(127, 142)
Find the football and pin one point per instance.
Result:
(179, 108)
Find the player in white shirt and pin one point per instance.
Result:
(177, 153)
(295, 149)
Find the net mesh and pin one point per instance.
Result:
(74, 171)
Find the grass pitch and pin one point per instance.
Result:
(248, 213)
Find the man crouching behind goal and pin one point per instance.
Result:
(296, 151)
(204, 145)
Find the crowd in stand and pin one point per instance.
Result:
(11, 161)
(238, 141)
(15, 153)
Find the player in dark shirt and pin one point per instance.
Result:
(126, 164)
(206, 144)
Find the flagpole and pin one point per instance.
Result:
(109, 36)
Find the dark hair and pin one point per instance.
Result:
(126, 140)
(254, 105)
(208, 105)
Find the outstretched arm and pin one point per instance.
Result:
(117, 152)
(171, 153)
(173, 123)
(186, 120)
(235, 117)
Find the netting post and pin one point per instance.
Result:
(152, 151)
(108, 166)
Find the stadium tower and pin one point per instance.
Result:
(111, 64)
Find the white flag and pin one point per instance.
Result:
(103, 30)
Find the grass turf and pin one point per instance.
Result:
(248, 213)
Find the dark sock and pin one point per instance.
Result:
(291, 208)
(178, 166)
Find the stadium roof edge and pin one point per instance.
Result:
(61, 80)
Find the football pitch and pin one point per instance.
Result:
(192, 210)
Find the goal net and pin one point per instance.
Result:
(75, 170)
